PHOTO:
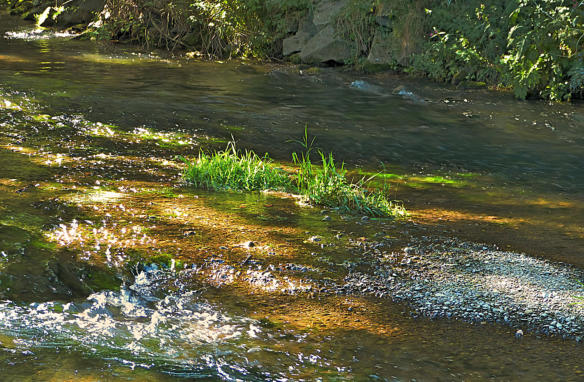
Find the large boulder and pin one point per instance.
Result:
(316, 40)
(326, 11)
(295, 44)
(383, 51)
(80, 12)
(326, 47)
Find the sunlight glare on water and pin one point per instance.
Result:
(132, 322)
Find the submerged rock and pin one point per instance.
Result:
(367, 87)
(249, 244)
(405, 93)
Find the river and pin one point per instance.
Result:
(90, 186)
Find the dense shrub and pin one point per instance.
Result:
(531, 46)
(214, 28)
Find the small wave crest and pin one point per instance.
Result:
(37, 34)
(142, 324)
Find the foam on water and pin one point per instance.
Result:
(37, 34)
(133, 325)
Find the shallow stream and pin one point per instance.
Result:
(90, 193)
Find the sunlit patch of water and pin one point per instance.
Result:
(6, 104)
(147, 325)
(101, 241)
(134, 58)
(163, 138)
(38, 34)
(135, 324)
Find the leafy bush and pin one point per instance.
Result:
(531, 46)
(214, 28)
(356, 23)
(534, 47)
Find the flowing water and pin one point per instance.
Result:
(90, 186)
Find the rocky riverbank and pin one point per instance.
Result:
(437, 40)
(477, 283)
(441, 278)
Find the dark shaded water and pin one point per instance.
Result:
(524, 142)
(84, 123)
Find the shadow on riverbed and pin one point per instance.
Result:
(32, 269)
(511, 217)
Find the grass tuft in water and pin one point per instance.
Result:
(325, 184)
(231, 169)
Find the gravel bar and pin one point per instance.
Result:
(445, 277)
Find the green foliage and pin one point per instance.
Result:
(324, 185)
(576, 75)
(356, 23)
(531, 46)
(327, 186)
(462, 44)
(534, 47)
(214, 28)
(233, 170)
(400, 28)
